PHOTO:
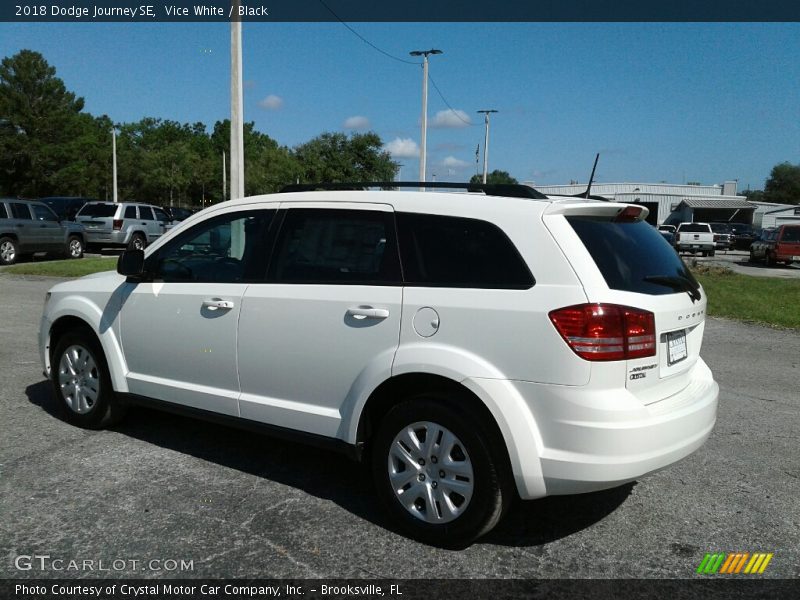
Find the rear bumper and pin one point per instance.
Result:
(597, 439)
(114, 238)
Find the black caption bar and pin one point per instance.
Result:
(409, 589)
(399, 11)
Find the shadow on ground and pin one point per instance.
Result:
(331, 476)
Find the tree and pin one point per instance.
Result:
(495, 177)
(783, 184)
(753, 195)
(333, 157)
(40, 122)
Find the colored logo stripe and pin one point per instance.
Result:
(734, 563)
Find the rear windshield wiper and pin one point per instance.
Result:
(683, 284)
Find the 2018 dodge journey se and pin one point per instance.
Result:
(470, 348)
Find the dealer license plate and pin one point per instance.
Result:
(676, 347)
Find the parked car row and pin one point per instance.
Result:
(68, 225)
(726, 236)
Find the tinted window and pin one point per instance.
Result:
(791, 234)
(720, 228)
(226, 249)
(693, 228)
(97, 210)
(458, 252)
(42, 213)
(3, 213)
(130, 212)
(336, 246)
(146, 213)
(20, 211)
(160, 214)
(628, 254)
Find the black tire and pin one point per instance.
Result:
(105, 409)
(492, 489)
(712, 253)
(9, 250)
(74, 248)
(138, 242)
(768, 260)
(752, 258)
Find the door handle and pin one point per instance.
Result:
(217, 304)
(367, 312)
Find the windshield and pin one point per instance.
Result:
(631, 256)
(97, 210)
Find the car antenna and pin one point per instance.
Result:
(591, 177)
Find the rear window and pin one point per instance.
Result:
(693, 228)
(97, 210)
(719, 228)
(628, 254)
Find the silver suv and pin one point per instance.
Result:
(122, 224)
(31, 227)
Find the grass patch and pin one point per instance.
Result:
(65, 268)
(765, 300)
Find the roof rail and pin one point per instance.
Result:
(512, 190)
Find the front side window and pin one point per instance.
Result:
(230, 248)
(441, 251)
(146, 213)
(161, 215)
(791, 234)
(337, 247)
(20, 211)
(3, 212)
(42, 213)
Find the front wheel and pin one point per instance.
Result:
(8, 251)
(440, 473)
(81, 381)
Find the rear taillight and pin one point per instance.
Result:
(629, 214)
(607, 331)
(117, 224)
(716, 237)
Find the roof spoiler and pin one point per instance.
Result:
(512, 190)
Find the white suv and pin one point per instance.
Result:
(469, 347)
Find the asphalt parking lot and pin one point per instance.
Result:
(738, 261)
(234, 504)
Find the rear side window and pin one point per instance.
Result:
(441, 251)
(630, 256)
(97, 210)
(130, 212)
(791, 234)
(20, 211)
(336, 247)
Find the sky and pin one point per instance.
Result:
(702, 102)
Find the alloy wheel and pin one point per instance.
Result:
(78, 379)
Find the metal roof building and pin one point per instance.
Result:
(663, 199)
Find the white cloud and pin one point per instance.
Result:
(357, 122)
(402, 148)
(450, 119)
(451, 162)
(271, 102)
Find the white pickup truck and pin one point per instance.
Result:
(695, 237)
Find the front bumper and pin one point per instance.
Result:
(598, 439)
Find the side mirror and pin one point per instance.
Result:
(131, 264)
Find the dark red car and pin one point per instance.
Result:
(777, 245)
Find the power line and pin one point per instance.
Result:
(366, 41)
(447, 104)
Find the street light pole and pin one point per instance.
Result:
(114, 161)
(424, 135)
(486, 114)
(237, 109)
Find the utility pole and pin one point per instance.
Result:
(114, 161)
(486, 114)
(224, 177)
(237, 108)
(423, 141)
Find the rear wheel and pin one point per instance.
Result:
(81, 381)
(442, 476)
(8, 251)
(74, 247)
(138, 242)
